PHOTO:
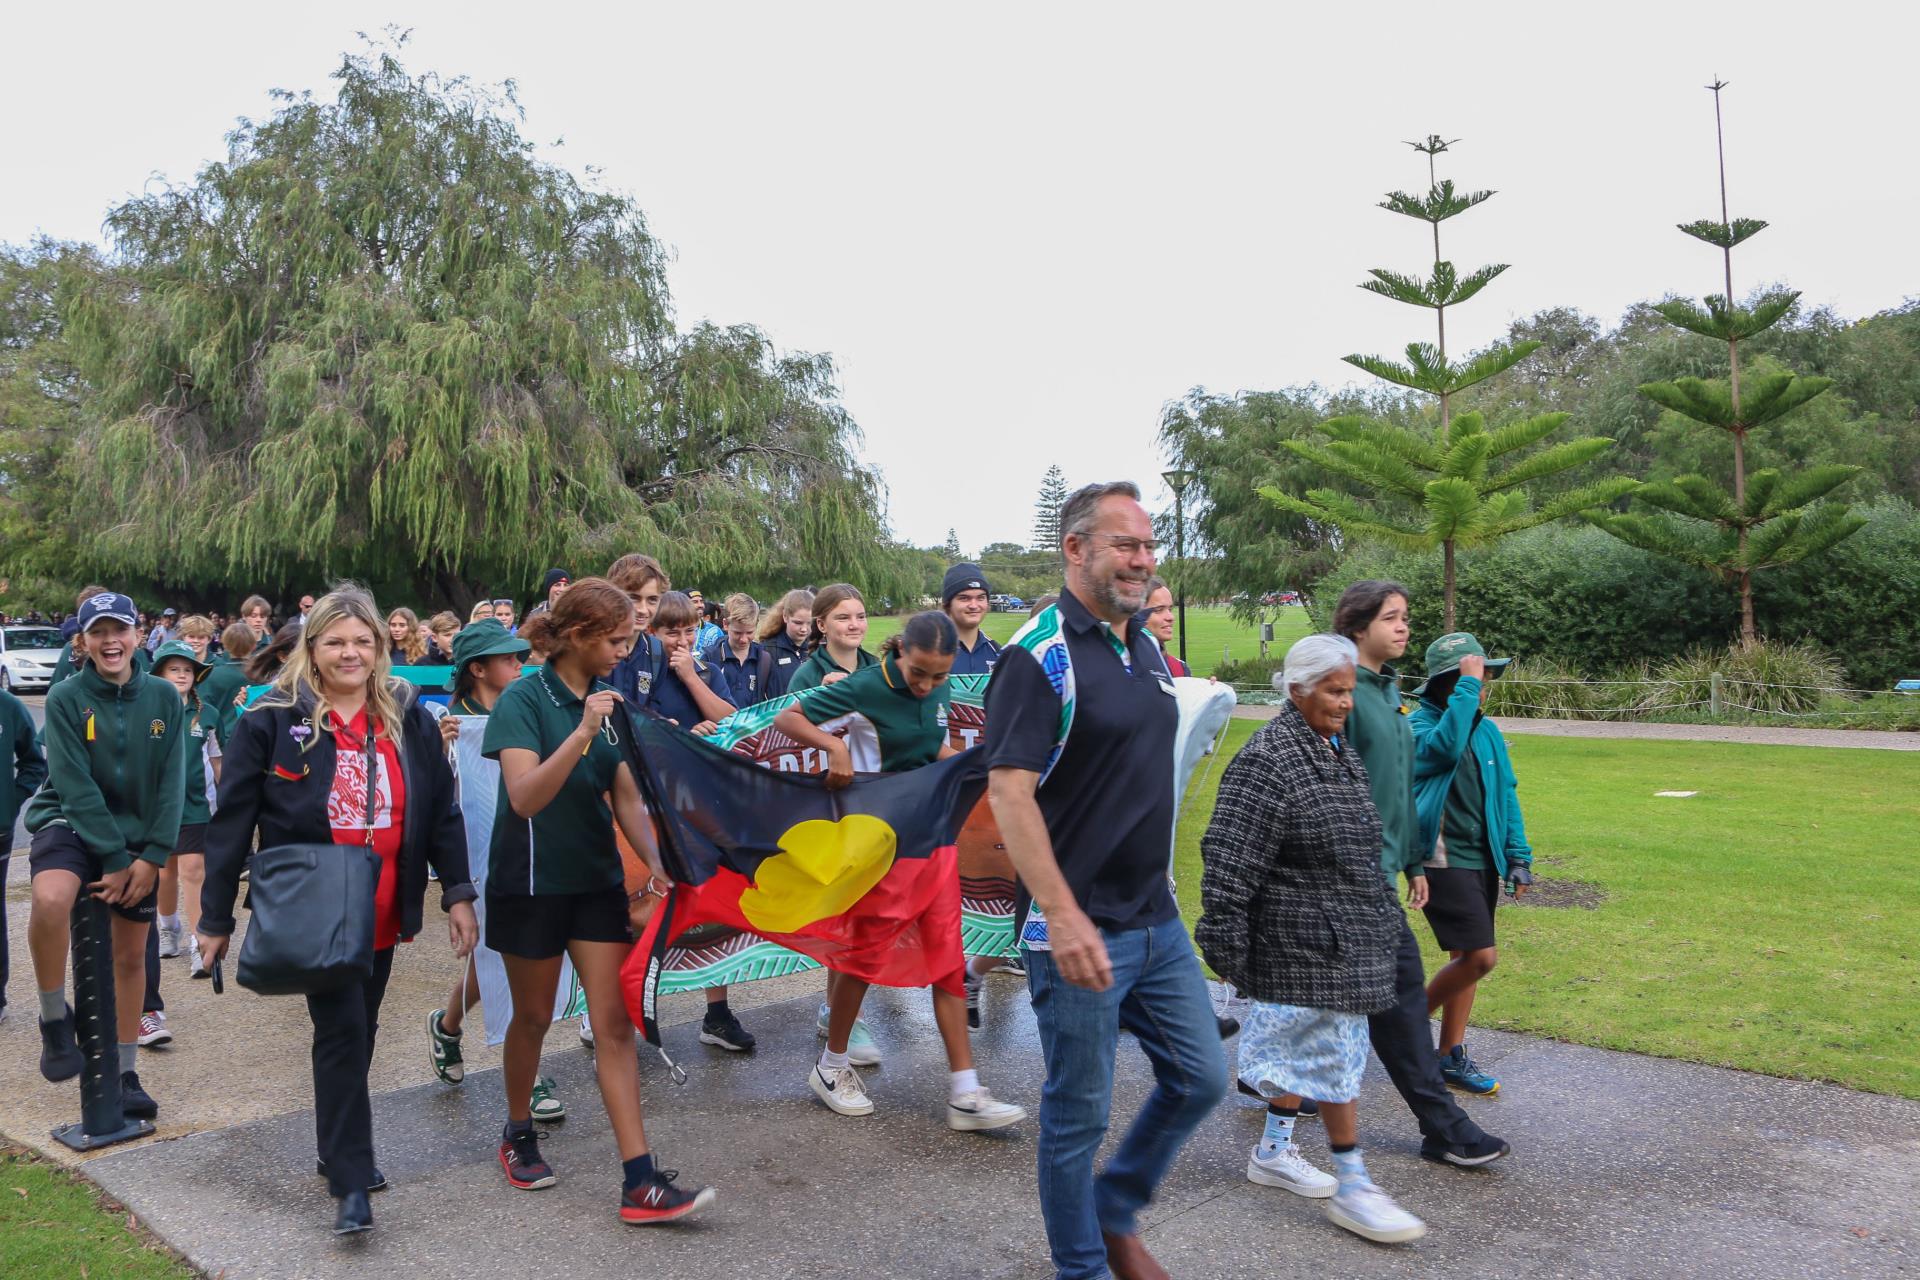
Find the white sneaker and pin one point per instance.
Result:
(862, 1050)
(196, 967)
(840, 1090)
(586, 1031)
(1286, 1167)
(981, 1110)
(1366, 1210)
(169, 941)
(153, 1031)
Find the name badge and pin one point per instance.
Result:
(1166, 686)
(785, 661)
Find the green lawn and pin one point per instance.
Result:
(1210, 632)
(53, 1223)
(1768, 923)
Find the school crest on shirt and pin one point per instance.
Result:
(940, 716)
(156, 728)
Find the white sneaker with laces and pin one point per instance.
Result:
(841, 1090)
(153, 1031)
(586, 1031)
(1366, 1210)
(1286, 1167)
(169, 941)
(969, 1112)
(196, 967)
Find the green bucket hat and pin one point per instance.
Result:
(482, 639)
(1444, 655)
(179, 649)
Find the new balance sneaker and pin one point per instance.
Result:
(841, 1090)
(136, 1102)
(1468, 1155)
(1285, 1167)
(657, 1200)
(521, 1161)
(546, 1107)
(724, 1030)
(861, 1049)
(379, 1182)
(981, 1110)
(59, 1053)
(169, 940)
(973, 985)
(196, 967)
(153, 1031)
(1464, 1074)
(443, 1050)
(586, 1031)
(1366, 1210)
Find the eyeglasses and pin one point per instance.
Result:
(1128, 546)
(497, 603)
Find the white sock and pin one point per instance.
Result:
(172, 922)
(963, 1082)
(831, 1061)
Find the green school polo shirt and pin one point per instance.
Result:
(568, 846)
(819, 665)
(911, 730)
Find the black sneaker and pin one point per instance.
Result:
(1309, 1109)
(725, 1031)
(658, 1200)
(59, 1052)
(1467, 1155)
(135, 1102)
(520, 1160)
(379, 1182)
(1228, 1027)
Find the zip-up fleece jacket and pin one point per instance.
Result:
(1460, 737)
(1384, 738)
(116, 767)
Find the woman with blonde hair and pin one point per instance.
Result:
(481, 609)
(338, 751)
(785, 637)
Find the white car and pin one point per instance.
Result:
(27, 655)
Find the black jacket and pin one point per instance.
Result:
(1295, 910)
(256, 791)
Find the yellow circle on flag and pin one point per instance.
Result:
(823, 868)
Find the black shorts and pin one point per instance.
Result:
(192, 838)
(58, 849)
(1460, 902)
(539, 926)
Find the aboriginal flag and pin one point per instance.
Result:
(864, 880)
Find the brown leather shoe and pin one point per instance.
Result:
(1128, 1259)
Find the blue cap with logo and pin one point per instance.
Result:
(108, 606)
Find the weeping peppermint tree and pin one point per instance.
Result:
(1457, 483)
(1770, 518)
(382, 339)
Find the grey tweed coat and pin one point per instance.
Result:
(1295, 909)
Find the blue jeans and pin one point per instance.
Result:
(1160, 995)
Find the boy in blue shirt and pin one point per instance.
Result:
(690, 692)
(738, 656)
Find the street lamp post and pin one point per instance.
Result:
(1178, 480)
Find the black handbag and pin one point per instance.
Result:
(313, 913)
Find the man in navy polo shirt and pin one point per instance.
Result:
(1081, 720)
(963, 595)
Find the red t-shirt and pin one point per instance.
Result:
(1176, 666)
(346, 814)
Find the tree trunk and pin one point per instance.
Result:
(1447, 617)
(1748, 635)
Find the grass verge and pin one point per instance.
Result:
(55, 1223)
(1211, 632)
(1767, 923)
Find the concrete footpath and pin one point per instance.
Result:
(1623, 1166)
(1756, 735)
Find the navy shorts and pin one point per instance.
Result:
(1460, 902)
(193, 838)
(58, 849)
(539, 926)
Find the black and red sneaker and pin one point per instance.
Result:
(658, 1200)
(520, 1161)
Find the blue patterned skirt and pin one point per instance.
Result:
(1315, 1053)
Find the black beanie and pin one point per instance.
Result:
(553, 576)
(962, 577)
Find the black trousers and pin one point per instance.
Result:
(344, 1022)
(6, 858)
(153, 1003)
(1403, 1038)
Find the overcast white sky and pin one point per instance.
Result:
(1022, 228)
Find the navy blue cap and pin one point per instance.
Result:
(108, 605)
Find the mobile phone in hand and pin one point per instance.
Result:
(219, 983)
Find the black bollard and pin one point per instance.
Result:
(101, 1122)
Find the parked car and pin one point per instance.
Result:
(27, 655)
(1016, 605)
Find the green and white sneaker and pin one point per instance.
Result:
(545, 1106)
(862, 1051)
(444, 1050)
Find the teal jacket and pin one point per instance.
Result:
(1441, 742)
(120, 786)
(1380, 733)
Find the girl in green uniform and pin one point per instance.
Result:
(904, 698)
(839, 625)
(555, 883)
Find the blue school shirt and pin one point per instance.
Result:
(742, 677)
(671, 699)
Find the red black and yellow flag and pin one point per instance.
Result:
(864, 880)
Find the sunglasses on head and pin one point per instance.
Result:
(497, 603)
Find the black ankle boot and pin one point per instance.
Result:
(355, 1214)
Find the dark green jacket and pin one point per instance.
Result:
(1378, 730)
(22, 755)
(120, 788)
(217, 693)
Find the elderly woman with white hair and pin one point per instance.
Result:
(1298, 917)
